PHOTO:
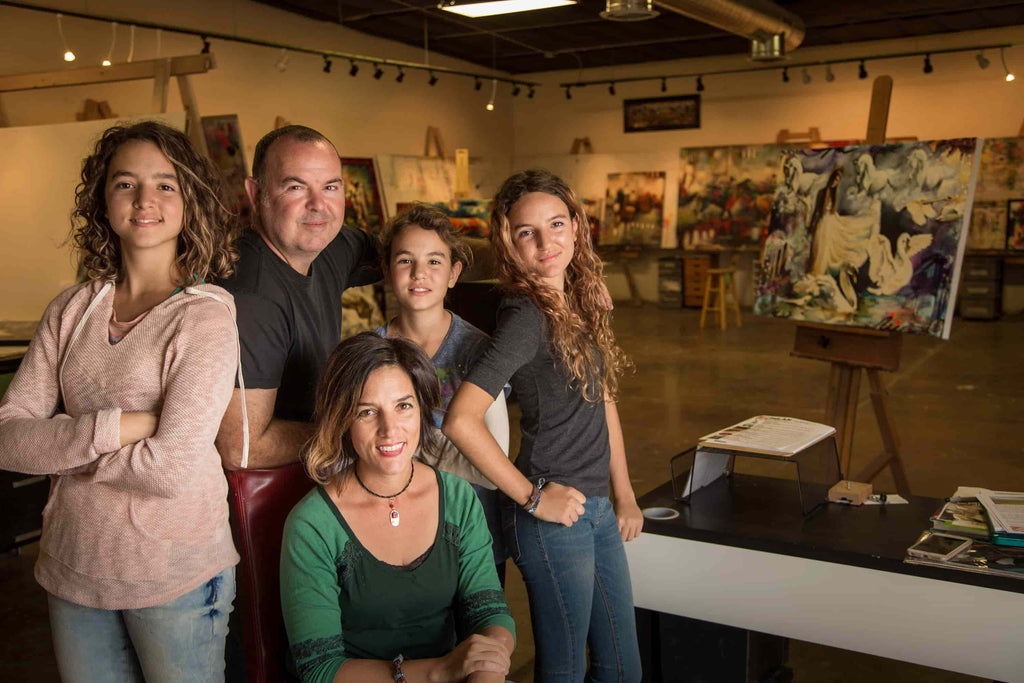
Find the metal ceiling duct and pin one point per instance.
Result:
(772, 30)
(628, 10)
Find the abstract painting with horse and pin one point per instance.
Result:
(869, 235)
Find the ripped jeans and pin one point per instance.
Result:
(180, 640)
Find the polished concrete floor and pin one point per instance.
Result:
(957, 406)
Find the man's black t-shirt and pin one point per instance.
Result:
(289, 323)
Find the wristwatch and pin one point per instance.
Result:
(534, 500)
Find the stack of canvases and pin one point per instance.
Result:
(869, 236)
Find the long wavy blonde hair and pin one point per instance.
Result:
(208, 230)
(580, 324)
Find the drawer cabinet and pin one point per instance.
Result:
(981, 288)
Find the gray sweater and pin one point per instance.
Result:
(565, 438)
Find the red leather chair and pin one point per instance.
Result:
(260, 501)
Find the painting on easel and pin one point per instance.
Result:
(633, 204)
(725, 194)
(870, 236)
(363, 208)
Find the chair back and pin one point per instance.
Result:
(260, 501)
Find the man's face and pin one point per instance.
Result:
(301, 202)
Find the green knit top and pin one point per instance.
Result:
(340, 602)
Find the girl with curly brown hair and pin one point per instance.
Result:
(118, 399)
(573, 502)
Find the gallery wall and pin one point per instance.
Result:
(957, 99)
(364, 117)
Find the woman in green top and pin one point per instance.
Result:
(386, 567)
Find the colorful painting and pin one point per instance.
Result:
(1015, 224)
(594, 208)
(726, 193)
(869, 236)
(1001, 175)
(988, 225)
(363, 207)
(633, 206)
(224, 145)
(661, 113)
(471, 217)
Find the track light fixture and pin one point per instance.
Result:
(494, 91)
(928, 68)
(785, 74)
(611, 88)
(1009, 74)
(664, 85)
(805, 76)
(983, 61)
(829, 76)
(113, 42)
(69, 56)
(401, 76)
(327, 64)
(433, 79)
(516, 89)
(862, 71)
(477, 84)
(206, 45)
(529, 93)
(700, 84)
(568, 92)
(377, 72)
(354, 69)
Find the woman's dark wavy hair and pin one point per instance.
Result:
(330, 453)
(580, 324)
(206, 243)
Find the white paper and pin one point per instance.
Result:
(708, 466)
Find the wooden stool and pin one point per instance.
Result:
(725, 278)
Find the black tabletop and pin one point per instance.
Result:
(762, 513)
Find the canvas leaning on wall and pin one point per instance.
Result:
(634, 205)
(870, 236)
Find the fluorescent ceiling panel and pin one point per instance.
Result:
(488, 9)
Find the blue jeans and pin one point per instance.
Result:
(180, 640)
(577, 582)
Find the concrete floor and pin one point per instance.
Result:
(956, 403)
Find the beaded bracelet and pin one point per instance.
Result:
(533, 502)
(399, 674)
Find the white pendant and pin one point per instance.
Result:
(394, 517)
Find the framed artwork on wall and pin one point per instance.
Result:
(1015, 225)
(363, 207)
(661, 113)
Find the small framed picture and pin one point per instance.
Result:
(661, 113)
(1015, 225)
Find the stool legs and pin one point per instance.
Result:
(723, 285)
(707, 297)
(735, 299)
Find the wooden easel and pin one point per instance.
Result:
(851, 350)
(160, 70)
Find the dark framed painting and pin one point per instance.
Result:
(661, 113)
(1015, 225)
(363, 206)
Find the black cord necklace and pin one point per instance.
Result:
(393, 514)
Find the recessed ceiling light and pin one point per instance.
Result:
(489, 9)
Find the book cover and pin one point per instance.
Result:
(962, 517)
(769, 434)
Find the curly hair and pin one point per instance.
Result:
(428, 218)
(330, 453)
(580, 324)
(206, 242)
